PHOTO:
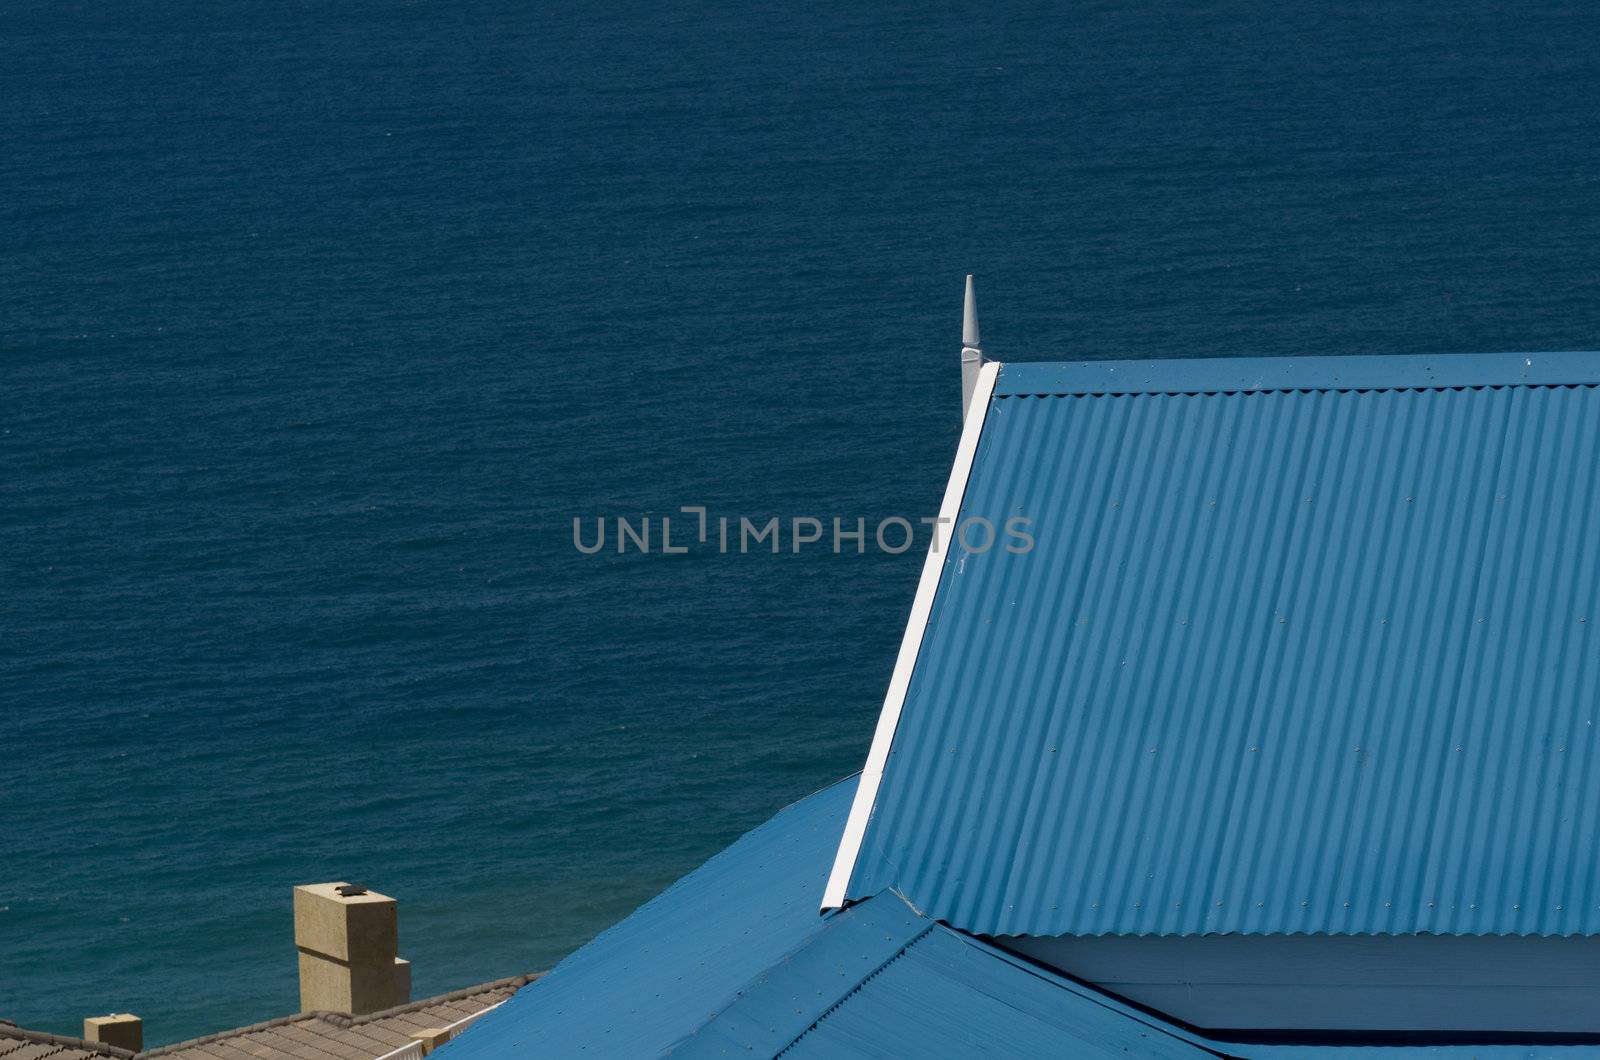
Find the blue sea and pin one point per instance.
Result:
(319, 324)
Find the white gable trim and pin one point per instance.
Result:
(855, 828)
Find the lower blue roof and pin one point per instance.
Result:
(947, 994)
(659, 976)
(734, 960)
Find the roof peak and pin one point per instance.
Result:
(1341, 372)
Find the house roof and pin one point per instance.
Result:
(1302, 646)
(19, 1044)
(335, 1036)
(657, 977)
(940, 993)
(733, 960)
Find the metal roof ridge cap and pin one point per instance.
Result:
(866, 796)
(887, 926)
(1340, 372)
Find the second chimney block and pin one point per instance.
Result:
(348, 947)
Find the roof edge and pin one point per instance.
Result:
(342, 1020)
(63, 1041)
(1211, 375)
(762, 1015)
(855, 827)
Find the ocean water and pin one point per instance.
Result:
(320, 322)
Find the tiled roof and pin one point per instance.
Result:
(332, 1035)
(1302, 646)
(18, 1044)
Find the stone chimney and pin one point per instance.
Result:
(121, 1029)
(349, 939)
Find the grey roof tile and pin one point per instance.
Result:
(329, 1035)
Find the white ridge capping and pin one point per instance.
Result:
(855, 827)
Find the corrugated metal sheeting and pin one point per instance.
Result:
(1295, 651)
(733, 960)
(661, 974)
(947, 995)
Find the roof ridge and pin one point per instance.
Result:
(860, 985)
(1307, 373)
(342, 1020)
(877, 930)
(11, 1030)
(515, 982)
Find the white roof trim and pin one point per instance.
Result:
(855, 827)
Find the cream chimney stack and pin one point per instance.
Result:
(121, 1029)
(349, 939)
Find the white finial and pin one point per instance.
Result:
(971, 352)
(969, 317)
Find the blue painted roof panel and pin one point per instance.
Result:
(734, 961)
(1246, 374)
(947, 995)
(785, 1001)
(661, 974)
(1281, 661)
(1415, 1051)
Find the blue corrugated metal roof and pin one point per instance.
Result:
(1302, 647)
(733, 961)
(947, 995)
(1245, 374)
(1414, 1051)
(665, 971)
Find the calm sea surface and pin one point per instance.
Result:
(320, 322)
